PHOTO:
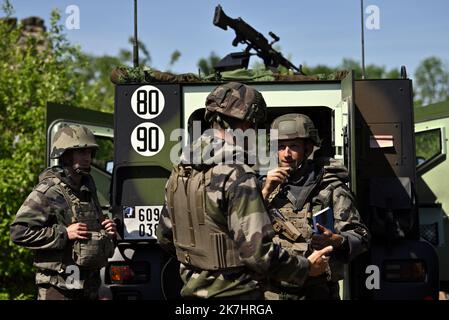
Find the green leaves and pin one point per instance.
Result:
(34, 70)
(206, 65)
(432, 80)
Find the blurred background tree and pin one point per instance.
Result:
(431, 81)
(36, 66)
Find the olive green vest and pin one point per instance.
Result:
(92, 253)
(199, 241)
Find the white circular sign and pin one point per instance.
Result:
(147, 139)
(147, 102)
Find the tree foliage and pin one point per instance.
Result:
(175, 57)
(432, 81)
(34, 71)
(99, 88)
(206, 65)
(126, 55)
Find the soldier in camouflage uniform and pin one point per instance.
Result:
(214, 219)
(296, 190)
(62, 221)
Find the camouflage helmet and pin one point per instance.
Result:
(295, 125)
(72, 137)
(238, 101)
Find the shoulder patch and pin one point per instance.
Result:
(44, 185)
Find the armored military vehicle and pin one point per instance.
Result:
(367, 124)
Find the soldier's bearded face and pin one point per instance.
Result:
(82, 158)
(291, 153)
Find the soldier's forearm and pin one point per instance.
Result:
(54, 237)
(290, 268)
(354, 245)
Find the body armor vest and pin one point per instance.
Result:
(298, 213)
(92, 253)
(199, 240)
(52, 264)
(291, 209)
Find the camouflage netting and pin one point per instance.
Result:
(124, 75)
(128, 75)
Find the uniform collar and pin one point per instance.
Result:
(62, 174)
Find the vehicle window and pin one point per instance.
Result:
(428, 145)
(105, 155)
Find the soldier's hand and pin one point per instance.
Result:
(319, 261)
(326, 238)
(110, 227)
(77, 231)
(274, 178)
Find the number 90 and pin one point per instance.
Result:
(147, 139)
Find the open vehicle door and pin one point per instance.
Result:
(101, 124)
(399, 265)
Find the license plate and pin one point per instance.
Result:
(140, 222)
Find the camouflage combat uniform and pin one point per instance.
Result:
(41, 224)
(318, 184)
(234, 205)
(214, 219)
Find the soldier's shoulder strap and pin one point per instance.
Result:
(67, 193)
(185, 172)
(93, 191)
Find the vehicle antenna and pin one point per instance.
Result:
(135, 41)
(363, 39)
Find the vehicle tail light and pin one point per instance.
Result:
(405, 271)
(120, 274)
(135, 272)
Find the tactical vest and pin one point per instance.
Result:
(293, 225)
(199, 241)
(91, 253)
